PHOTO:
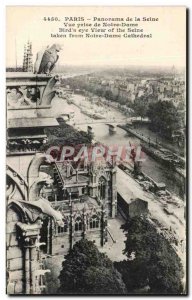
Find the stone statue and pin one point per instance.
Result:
(33, 210)
(39, 59)
(46, 59)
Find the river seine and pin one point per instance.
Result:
(151, 167)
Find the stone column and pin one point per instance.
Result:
(29, 233)
(84, 224)
(103, 226)
(31, 263)
(77, 175)
(114, 194)
(93, 186)
(48, 235)
(106, 193)
(71, 231)
(27, 271)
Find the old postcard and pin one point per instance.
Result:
(96, 150)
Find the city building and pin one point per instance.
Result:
(50, 205)
(86, 198)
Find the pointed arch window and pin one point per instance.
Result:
(94, 222)
(102, 188)
(78, 224)
(63, 229)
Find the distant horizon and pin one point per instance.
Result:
(107, 66)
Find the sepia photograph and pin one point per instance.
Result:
(96, 196)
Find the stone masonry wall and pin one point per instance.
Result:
(14, 256)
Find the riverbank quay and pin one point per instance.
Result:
(150, 185)
(168, 216)
(80, 121)
(155, 150)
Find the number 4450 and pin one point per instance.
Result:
(51, 19)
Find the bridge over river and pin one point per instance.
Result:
(115, 122)
(101, 133)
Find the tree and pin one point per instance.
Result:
(156, 263)
(65, 134)
(164, 117)
(140, 106)
(108, 95)
(99, 92)
(102, 280)
(87, 271)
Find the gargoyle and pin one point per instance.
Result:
(33, 210)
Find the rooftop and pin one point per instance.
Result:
(128, 188)
(86, 202)
(10, 75)
(32, 122)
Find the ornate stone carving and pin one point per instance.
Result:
(36, 187)
(16, 180)
(33, 170)
(49, 93)
(33, 210)
(25, 145)
(22, 96)
(36, 91)
(10, 188)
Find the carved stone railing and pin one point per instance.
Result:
(29, 93)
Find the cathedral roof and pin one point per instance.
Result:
(86, 202)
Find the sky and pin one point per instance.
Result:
(167, 47)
